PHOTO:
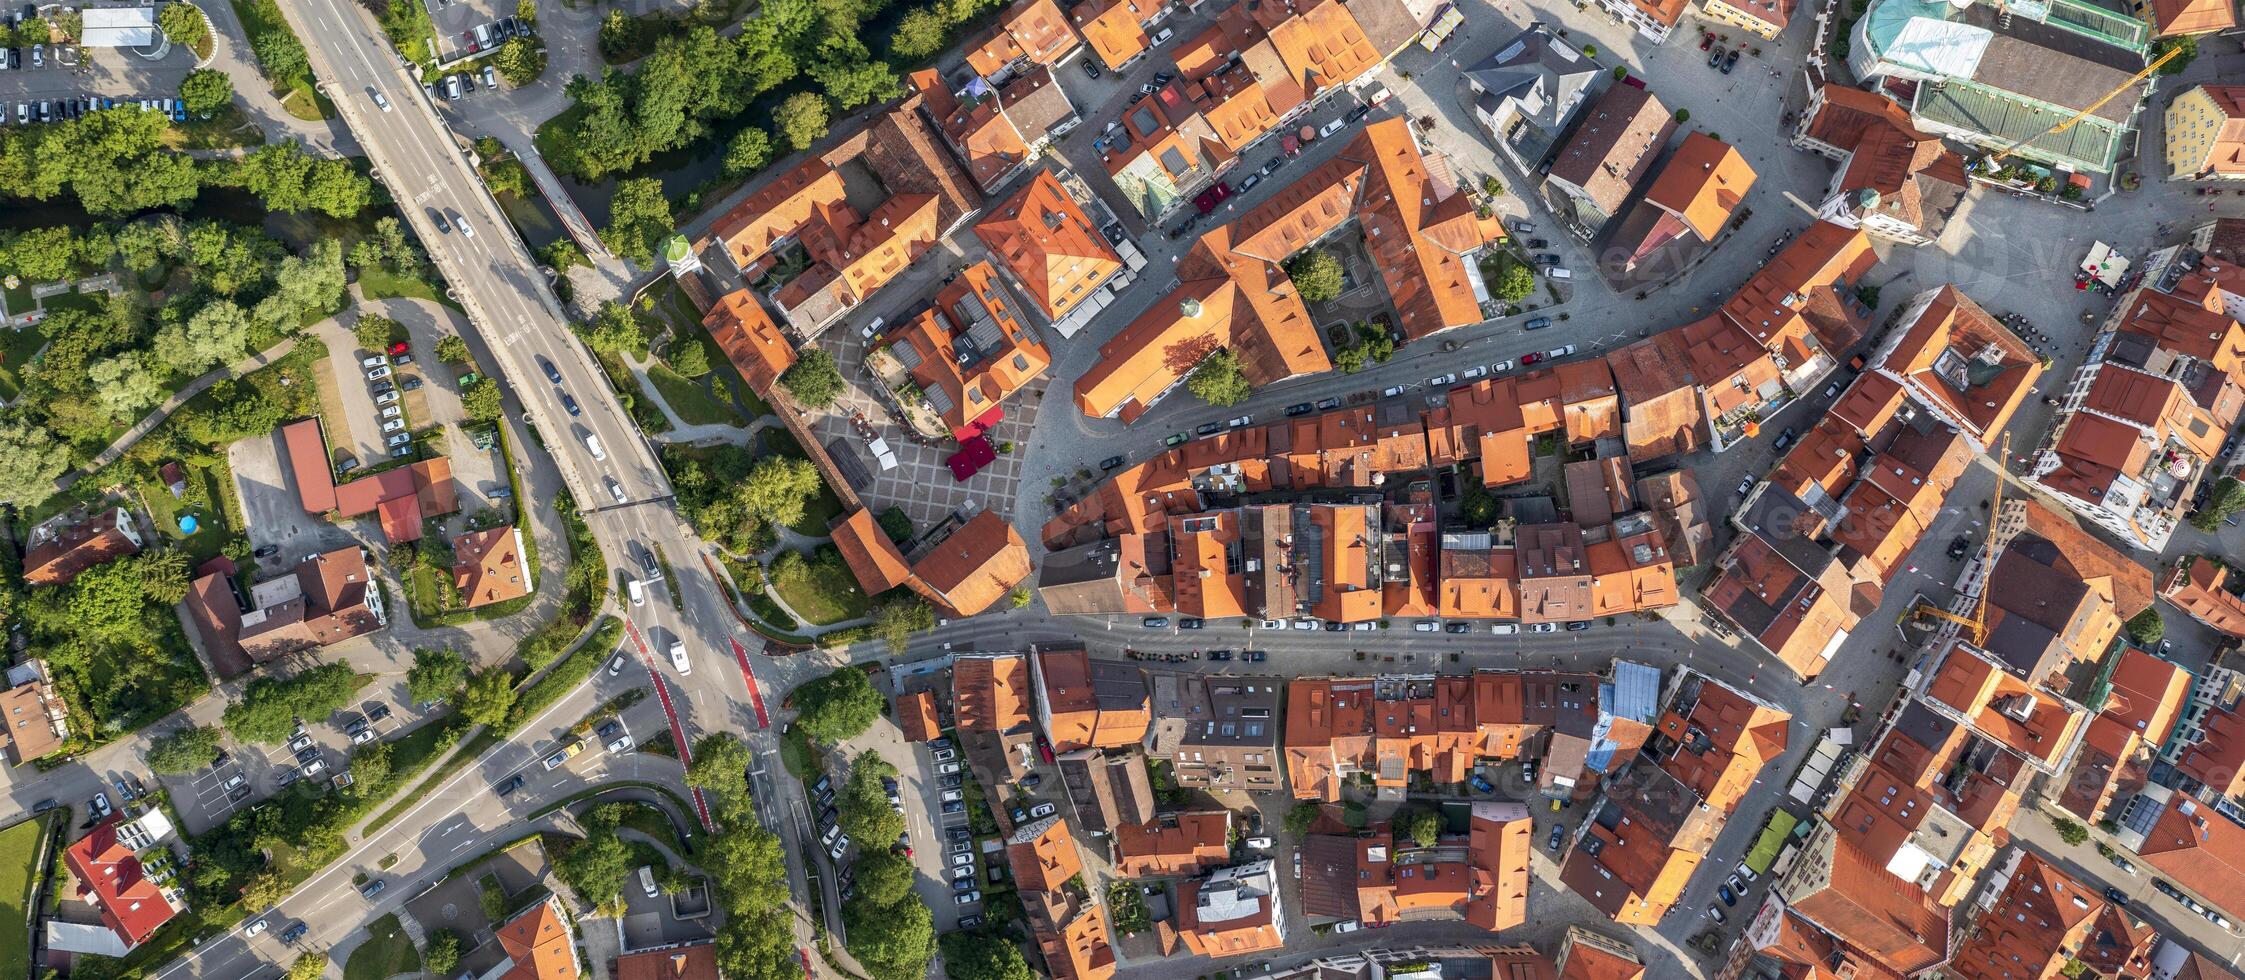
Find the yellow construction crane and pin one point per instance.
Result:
(2070, 121)
(1976, 625)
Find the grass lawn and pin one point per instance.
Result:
(87, 302)
(819, 514)
(796, 752)
(225, 129)
(16, 350)
(386, 953)
(672, 306)
(691, 399)
(213, 528)
(381, 284)
(823, 591)
(19, 874)
(643, 411)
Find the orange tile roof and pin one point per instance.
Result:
(1806, 291)
(111, 878)
(2200, 850)
(1741, 737)
(976, 566)
(1028, 30)
(915, 713)
(1206, 580)
(1170, 846)
(1240, 935)
(2225, 152)
(1703, 183)
(750, 339)
(1112, 28)
(539, 945)
(990, 694)
(2196, 587)
(2033, 927)
(63, 549)
(805, 194)
(2217, 759)
(2173, 18)
(1497, 852)
(1043, 855)
(1076, 714)
(1231, 297)
(691, 962)
(1042, 237)
(1961, 361)
(309, 466)
(872, 557)
(983, 133)
(487, 566)
(974, 378)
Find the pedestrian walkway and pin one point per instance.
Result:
(149, 422)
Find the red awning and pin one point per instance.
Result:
(981, 424)
(973, 455)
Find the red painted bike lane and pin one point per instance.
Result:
(755, 696)
(677, 734)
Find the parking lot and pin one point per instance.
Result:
(273, 512)
(664, 920)
(115, 73)
(250, 773)
(456, 22)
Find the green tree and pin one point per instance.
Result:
(184, 24)
(563, 254)
(596, 868)
(2073, 833)
(690, 357)
(1424, 826)
(2186, 45)
(308, 967)
(613, 329)
(436, 675)
(780, 488)
(205, 90)
(443, 955)
(312, 284)
(1219, 381)
(802, 119)
(899, 615)
(853, 84)
(1514, 282)
(864, 803)
(35, 457)
(1316, 274)
(1299, 819)
(264, 890)
(919, 36)
(370, 766)
(116, 163)
(638, 218)
(721, 764)
(837, 707)
(487, 697)
(281, 56)
(884, 877)
(892, 942)
(973, 956)
(452, 350)
(2146, 628)
(125, 384)
(519, 61)
(747, 152)
(1020, 597)
(216, 334)
(374, 331)
(814, 379)
(2224, 501)
(481, 401)
(184, 751)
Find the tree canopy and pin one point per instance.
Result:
(436, 675)
(1316, 274)
(975, 956)
(864, 803)
(487, 697)
(802, 119)
(638, 218)
(1219, 381)
(780, 488)
(205, 90)
(720, 768)
(837, 707)
(814, 379)
(270, 707)
(184, 751)
(1514, 282)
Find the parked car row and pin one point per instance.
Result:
(380, 370)
(484, 37)
(460, 85)
(76, 107)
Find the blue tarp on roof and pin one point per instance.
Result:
(1632, 694)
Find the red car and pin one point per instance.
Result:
(399, 348)
(1707, 40)
(1530, 358)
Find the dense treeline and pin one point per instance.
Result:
(115, 163)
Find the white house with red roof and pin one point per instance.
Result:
(107, 873)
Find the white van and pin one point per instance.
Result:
(592, 444)
(1559, 272)
(638, 592)
(678, 657)
(647, 880)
